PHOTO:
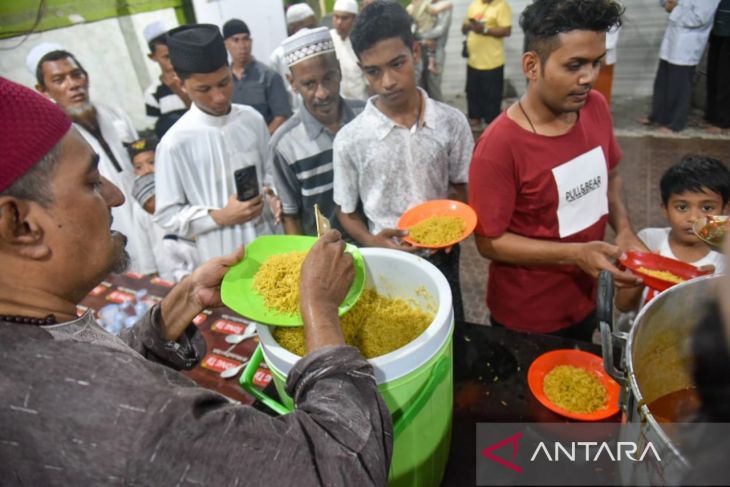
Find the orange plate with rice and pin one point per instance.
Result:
(451, 208)
(589, 362)
(646, 265)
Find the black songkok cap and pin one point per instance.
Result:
(233, 27)
(197, 48)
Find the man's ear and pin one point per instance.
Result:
(417, 51)
(20, 231)
(530, 65)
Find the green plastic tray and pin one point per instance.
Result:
(237, 289)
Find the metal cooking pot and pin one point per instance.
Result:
(656, 360)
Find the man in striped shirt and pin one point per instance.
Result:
(165, 102)
(302, 147)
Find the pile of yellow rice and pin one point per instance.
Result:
(376, 325)
(663, 275)
(277, 280)
(574, 389)
(437, 230)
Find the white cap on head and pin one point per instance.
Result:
(307, 43)
(155, 29)
(349, 6)
(35, 54)
(298, 12)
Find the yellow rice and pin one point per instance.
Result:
(437, 230)
(663, 275)
(277, 280)
(376, 325)
(574, 389)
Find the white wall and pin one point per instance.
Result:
(265, 19)
(638, 48)
(104, 52)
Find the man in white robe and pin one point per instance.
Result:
(197, 158)
(61, 78)
(353, 83)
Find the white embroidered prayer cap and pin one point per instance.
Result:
(349, 6)
(307, 43)
(35, 54)
(298, 12)
(153, 30)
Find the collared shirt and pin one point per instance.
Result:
(262, 88)
(391, 168)
(195, 162)
(353, 83)
(687, 31)
(302, 159)
(487, 52)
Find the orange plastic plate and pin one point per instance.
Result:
(635, 260)
(439, 208)
(546, 362)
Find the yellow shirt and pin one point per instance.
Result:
(487, 52)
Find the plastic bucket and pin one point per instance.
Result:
(415, 381)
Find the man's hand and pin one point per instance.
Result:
(196, 292)
(327, 272)
(236, 212)
(593, 257)
(274, 203)
(386, 239)
(205, 281)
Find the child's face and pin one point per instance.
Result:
(684, 209)
(162, 57)
(144, 163)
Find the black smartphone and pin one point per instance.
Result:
(247, 183)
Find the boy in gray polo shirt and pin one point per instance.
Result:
(404, 148)
(302, 147)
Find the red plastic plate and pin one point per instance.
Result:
(635, 260)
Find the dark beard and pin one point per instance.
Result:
(711, 363)
(121, 264)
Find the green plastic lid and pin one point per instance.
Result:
(237, 289)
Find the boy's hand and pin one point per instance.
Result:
(387, 240)
(274, 203)
(236, 212)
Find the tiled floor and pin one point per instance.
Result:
(645, 158)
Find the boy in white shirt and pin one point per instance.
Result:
(697, 186)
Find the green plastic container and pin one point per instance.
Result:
(416, 380)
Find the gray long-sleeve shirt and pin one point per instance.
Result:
(81, 407)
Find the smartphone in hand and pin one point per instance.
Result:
(247, 183)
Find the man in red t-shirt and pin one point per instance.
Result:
(543, 178)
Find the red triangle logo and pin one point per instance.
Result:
(514, 439)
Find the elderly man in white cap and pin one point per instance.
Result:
(353, 81)
(164, 100)
(298, 16)
(61, 78)
(302, 147)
